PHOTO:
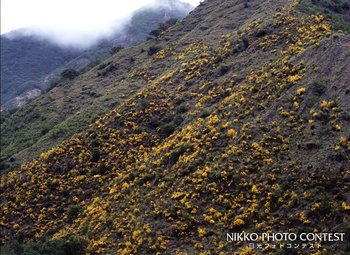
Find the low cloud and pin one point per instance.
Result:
(76, 23)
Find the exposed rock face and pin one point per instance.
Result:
(21, 99)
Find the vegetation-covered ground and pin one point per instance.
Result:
(239, 126)
(72, 104)
(29, 62)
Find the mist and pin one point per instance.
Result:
(78, 23)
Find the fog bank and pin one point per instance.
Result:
(75, 23)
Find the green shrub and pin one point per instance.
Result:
(223, 69)
(243, 45)
(65, 246)
(175, 155)
(56, 132)
(162, 27)
(4, 166)
(204, 114)
(95, 154)
(73, 212)
(12, 248)
(146, 178)
(155, 32)
(107, 70)
(318, 88)
(69, 74)
(101, 169)
(245, 41)
(94, 142)
(178, 120)
(52, 184)
(172, 122)
(116, 49)
(153, 49)
(167, 129)
(169, 23)
(262, 32)
(181, 108)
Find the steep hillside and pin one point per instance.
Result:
(338, 11)
(241, 124)
(69, 107)
(55, 116)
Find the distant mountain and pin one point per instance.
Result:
(26, 61)
(29, 64)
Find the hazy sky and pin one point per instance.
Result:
(68, 20)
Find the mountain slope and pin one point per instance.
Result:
(225, 138)
(25, 60)
(69, 107)
(55, 116)
(338, 11)
(30, 63)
